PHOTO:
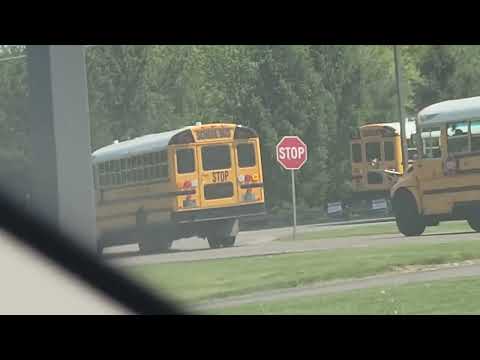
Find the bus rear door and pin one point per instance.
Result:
(250, 181)
(217, 175)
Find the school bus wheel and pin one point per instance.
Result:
(214, 241)
(408, 219)
(148, 246)
(228, 241)
(474, 221)
(151, 241)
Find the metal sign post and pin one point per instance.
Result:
(294, 206)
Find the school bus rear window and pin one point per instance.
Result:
(185, 161)
(246, 155)
(373, 151)
(388, 150)
(216, 157)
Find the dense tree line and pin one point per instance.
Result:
(319, 92)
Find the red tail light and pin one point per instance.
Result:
(249, 196)
(187, 184)
(248, 178)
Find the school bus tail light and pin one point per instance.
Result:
(189, 201)
(248, 179)
(249, 195)
(188, 185)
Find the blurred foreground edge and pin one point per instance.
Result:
(68, 255)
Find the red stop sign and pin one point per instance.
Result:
(291, 152)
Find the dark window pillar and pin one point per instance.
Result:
(62, 179)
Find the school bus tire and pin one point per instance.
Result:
(150, 247)
(228, 241)
(474, 222)
(214, 242)
(407, 217)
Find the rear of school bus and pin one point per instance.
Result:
(375, 148)
(218, 178)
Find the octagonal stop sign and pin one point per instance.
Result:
(291, 152)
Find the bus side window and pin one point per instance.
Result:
(388, 151)
(163, 156)
(246, 155)
(475, 133)
(159, 169)
(139, 174)
(185, 161)
(431, 143)
(373, 151)
(164, 164)
(457, 138)
(164, 171)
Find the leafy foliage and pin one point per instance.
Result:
(319, 92)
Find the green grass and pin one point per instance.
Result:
(376, 229)
(434, 297)
(201, 280)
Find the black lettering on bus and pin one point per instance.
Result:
(220, 176)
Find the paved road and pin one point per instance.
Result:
(249, 243)
(255, 243)
(447, 271)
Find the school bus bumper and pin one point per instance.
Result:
(228, 212)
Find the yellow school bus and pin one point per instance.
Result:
(194, 181)
(374, 149)
(444, 183)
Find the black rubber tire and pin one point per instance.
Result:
(214, 242)
(228, 241)
(389, 208)
(407, 217)
(150, 247)
(474, 223)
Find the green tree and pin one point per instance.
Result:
(437, 67)
(117, 93)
